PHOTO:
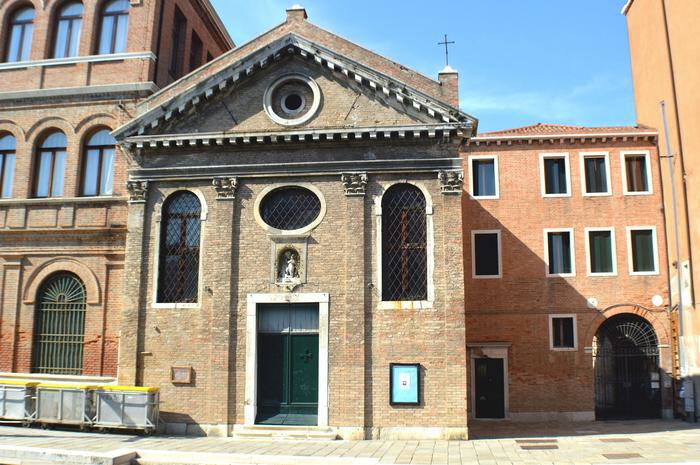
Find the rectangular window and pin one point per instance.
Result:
(562, 332)
(559, 252)
(600, 248)
(555, 175)
(7, 170)
(643, 253)
(486, 254)
(178, 44)
(483, 173)
(196, 51)
(636, 173)
(595, 174)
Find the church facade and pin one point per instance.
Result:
(303, 233)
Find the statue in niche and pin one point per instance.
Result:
(289, 266)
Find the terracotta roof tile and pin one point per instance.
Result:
(560, 129)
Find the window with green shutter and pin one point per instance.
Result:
(601, 255)
(642, 245)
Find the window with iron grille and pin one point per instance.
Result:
(59, 331)
(404, 244)
(178, 272)
(290, 208)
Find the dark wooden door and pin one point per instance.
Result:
(287, 376)
(490, 395)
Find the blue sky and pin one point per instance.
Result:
(520, 61)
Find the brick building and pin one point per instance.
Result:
(559, 294)
(71, 73)
(302, 232)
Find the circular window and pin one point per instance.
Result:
(292, 99)
(290, 208)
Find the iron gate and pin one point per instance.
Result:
(627, 375)
(60, 326)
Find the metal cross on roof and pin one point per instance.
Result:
(447, 43)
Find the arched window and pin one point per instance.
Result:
(115, 21)
(59, 329)
(51, 165)
(98, 164)
(68, 25)
(7, 164)
(178, 270)
(19, 39)
(404, 244)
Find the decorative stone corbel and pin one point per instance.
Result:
(137, 191)
(451, 182)
(354, 183)
(225, 188)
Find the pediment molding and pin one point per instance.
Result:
(370, 80)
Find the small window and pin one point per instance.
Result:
(595, 174)
(562, 332)
(98, 165)
(559, 252)
(483, 172)
(50, 166)
(636, 173)
(19, 39)
(115, 24)
(8, 149)
(178, 44)
(555, 175)
(196, 51)
(641, 243)
(486, 254)
(600, 247)
(68, 25)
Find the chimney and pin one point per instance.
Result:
(296, 13)
(449, 80)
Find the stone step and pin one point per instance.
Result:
(154, 457)
(311, 433)
(11, 455)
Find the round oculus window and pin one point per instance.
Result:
(292, 99)
(290, 208)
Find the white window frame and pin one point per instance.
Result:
(567, 166)
(623, 166)
(655, 245)
(551, 332)
(582, 168)
(500, 254)
(613, 250)
(572, 251)
(470, 161)
(430, 245)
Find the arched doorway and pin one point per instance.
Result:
(626, 363)
(59, 329)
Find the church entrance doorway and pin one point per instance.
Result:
(288, 364)
(627, 374)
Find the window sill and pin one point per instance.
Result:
(639, 193)
(175, 306)
(555, 196)
(602, 275)
(485, 197)
(644, 273)
(561, 275)
(405, 305)
(564, 349)
(597, 194)
(79, 59)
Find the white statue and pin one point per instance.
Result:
(291, 271)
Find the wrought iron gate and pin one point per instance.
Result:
(627, 375)
(60, 326)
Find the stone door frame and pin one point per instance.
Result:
(251, 357)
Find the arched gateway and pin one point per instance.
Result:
(626, 363)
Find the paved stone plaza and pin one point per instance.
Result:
(494, 444)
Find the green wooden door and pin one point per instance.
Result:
(287, 366)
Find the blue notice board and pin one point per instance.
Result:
(404, 383)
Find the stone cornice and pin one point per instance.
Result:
(317, 168)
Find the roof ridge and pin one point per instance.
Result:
(558, 129)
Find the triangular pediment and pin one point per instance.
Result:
(230, 103)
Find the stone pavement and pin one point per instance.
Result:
(496, 443)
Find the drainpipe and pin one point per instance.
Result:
(686, 384)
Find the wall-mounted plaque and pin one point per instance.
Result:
(181, 375)
(404, 384)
